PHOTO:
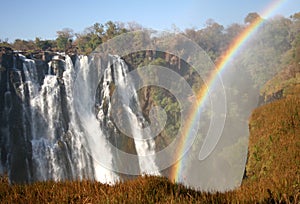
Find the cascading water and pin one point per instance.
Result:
(62, 135)
(57, 152)
(116, 75)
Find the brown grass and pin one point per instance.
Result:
(272, 172)
(140, 190)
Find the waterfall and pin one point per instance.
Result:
(116, 75)
(57, 152)
(66, 122)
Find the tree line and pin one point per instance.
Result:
(280, 33)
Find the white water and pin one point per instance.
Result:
(117, 73)
(96, 140)
(56, 137)
(70, 134)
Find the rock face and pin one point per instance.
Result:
(285, 83)
(6, 59)
(57, 67)
(16, 131)
(9, 111)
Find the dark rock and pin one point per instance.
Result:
(16, 78)
(57, 67)
(6, 57)
(42, 68)
(47, 56)
(275, 96)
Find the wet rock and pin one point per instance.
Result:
(72, 52)
(16, 78)
(274, 96)
(47, 56)
(42, 69)
(57, 67)
(6, 57)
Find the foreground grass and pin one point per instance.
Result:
(140, 190)
(272, 173)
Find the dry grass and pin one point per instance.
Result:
(272, 172)
(140, 190)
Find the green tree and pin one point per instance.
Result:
(252, 17)
(295, 37)
(64, 38)
(263, 56)
(113, 29)
(23, 45)
(211, 38)
(43, 44)
(231, 32)
(4, 43)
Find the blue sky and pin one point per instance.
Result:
(35, 18)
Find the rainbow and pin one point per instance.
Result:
(236, 45)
